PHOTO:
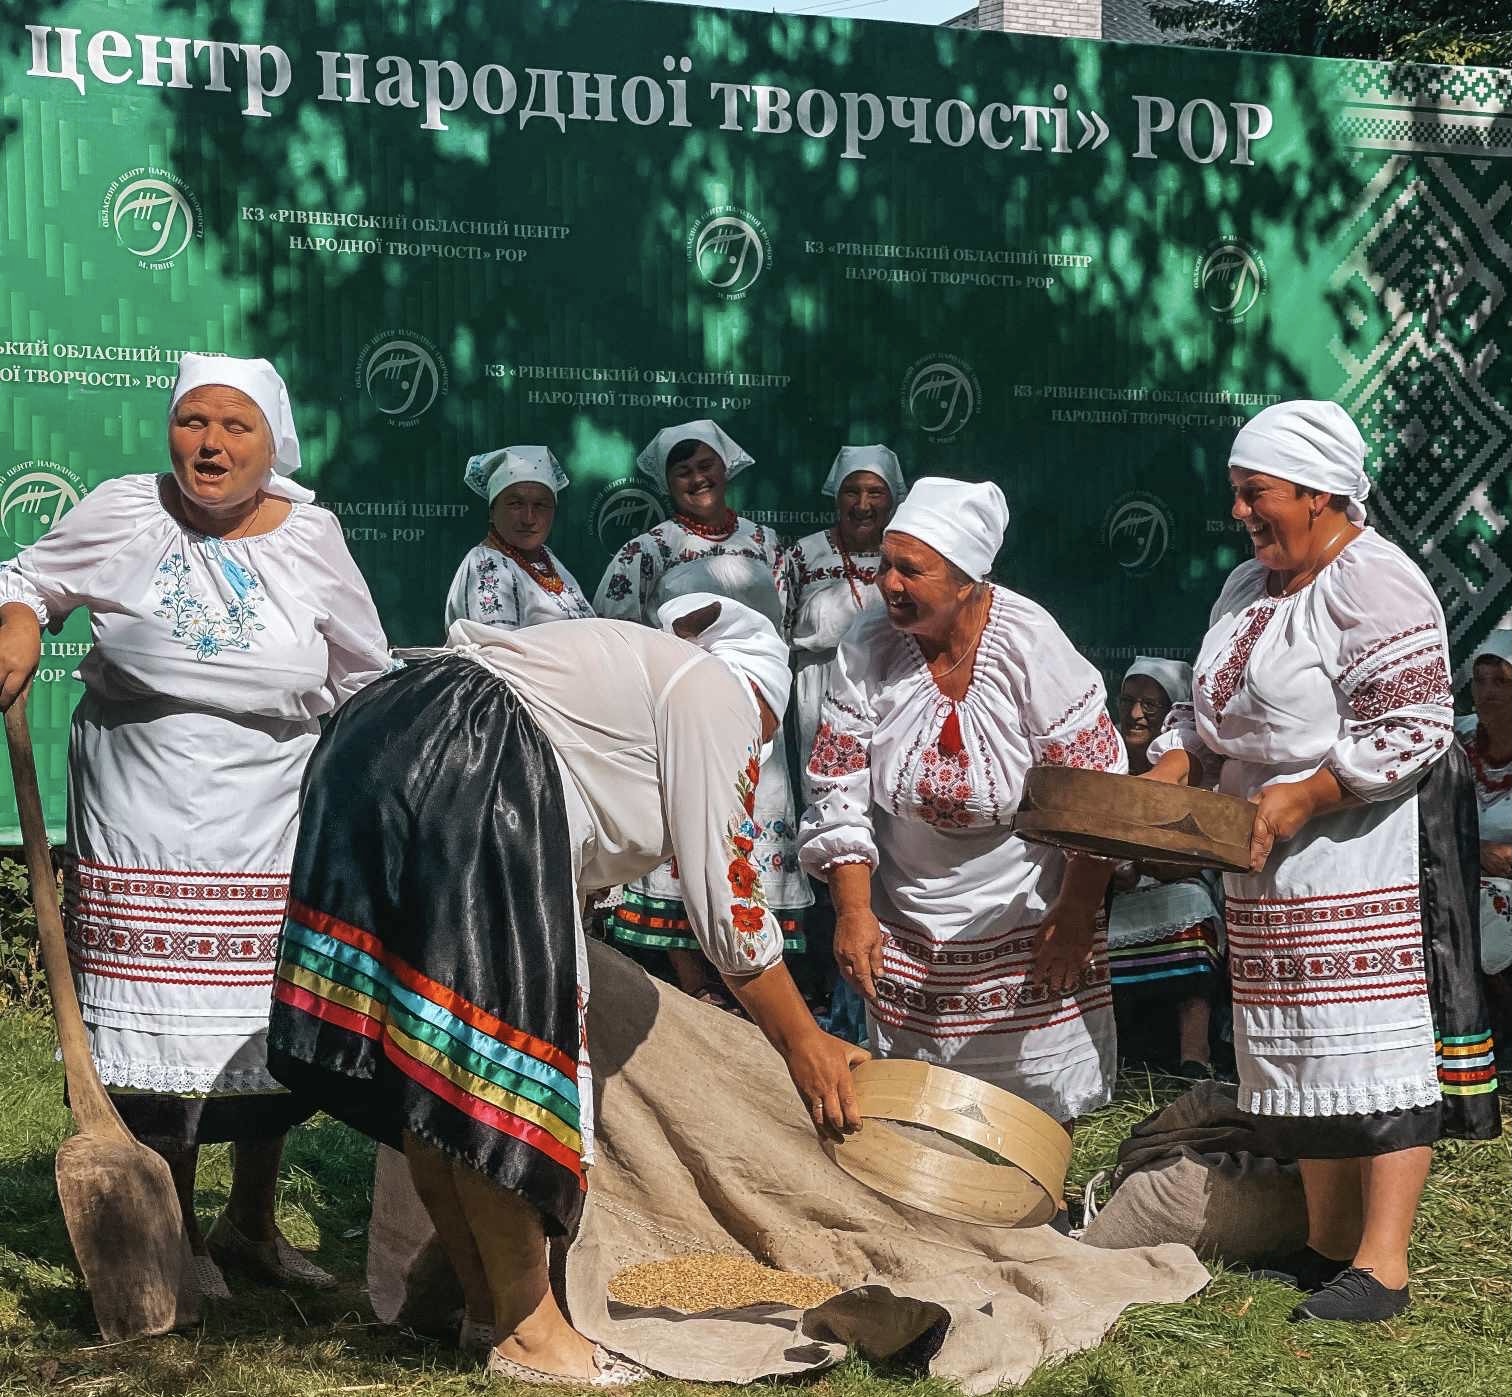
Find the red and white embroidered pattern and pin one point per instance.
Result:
(1411, 686)
(1091, 749)
(1087, 698)
(975, 988)
(1223, 684)
(1485, 783)
(1335, 949)
(943, 789)
(835, 753)
(1346, 676)
(168, 927)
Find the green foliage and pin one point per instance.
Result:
(1475, 32)
(21, 979)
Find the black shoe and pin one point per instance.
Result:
(1304, 1268)
(1354, 1296)
(1193, 1071)
(1061, 1222)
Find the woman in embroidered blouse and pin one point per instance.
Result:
(939, 706)
(227, 617)
(512, 578)
(1487, 738)
(706, 547)
(1165, 926)
(830, 574)
(433, 984)
(1323, 695)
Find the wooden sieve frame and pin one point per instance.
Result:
(1022, 1192)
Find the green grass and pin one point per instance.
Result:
(1232, 1341)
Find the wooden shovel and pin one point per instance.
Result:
(117, 1195)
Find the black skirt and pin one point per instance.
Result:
(427, 977)
(1449, 876)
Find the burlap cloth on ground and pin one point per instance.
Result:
(703, 1146)
(1203, 1173)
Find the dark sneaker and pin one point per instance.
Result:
(1355, 1297)
(1304, 1268)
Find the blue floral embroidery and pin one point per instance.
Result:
(205, 629)
(488, 588)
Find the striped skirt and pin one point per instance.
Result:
(426, 978)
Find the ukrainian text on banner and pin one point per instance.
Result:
(1070, 266)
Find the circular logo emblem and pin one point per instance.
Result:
(403, 374)
(941, 395)
(153, 214)
(1137, 530)
(729, 249)
(624, 508)
(1230, 278)
(34, 495)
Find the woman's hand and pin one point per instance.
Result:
(1063, 947)
(820, 1066)
(1064, 942)
(858, 950)
(20, 650)
(1496, 860)
(1286, 806)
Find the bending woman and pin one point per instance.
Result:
(433, 980)
(1322, 694)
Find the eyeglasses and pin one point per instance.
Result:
(1128, 705)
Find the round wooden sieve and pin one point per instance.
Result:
(1020, 1192)
(1127, 817)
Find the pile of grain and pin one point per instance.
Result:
(714, 1281)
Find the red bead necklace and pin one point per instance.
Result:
(715, 533)
(541, 571)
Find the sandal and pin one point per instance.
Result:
(476, 1336)
(206, 1278)
(613, 1371)
(275, 1262)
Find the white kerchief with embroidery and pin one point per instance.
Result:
(212, 661)
(1331, 1010)
(923, 789)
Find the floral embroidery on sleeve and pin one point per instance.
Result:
(835, 753)
(1094, 748)
(748, 909)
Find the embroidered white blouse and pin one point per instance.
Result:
(826, 590)
(491, 587)
(1326, 944)
(672, 561)
(212, 661)
(924, 790)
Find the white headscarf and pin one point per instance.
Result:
(744, 639)
(260, 381)
(960, 521)
(1311, 443)
(492, 471)
(1497, 646)
(1174, 676)
(877, 459)
(652, 461)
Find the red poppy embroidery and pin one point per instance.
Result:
(742, 876)
(748, 920)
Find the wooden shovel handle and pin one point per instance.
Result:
(91, 1105)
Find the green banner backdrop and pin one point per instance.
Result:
(1071, 266)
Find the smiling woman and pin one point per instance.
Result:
(512, 578)
(706, 547)
(227, 618)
